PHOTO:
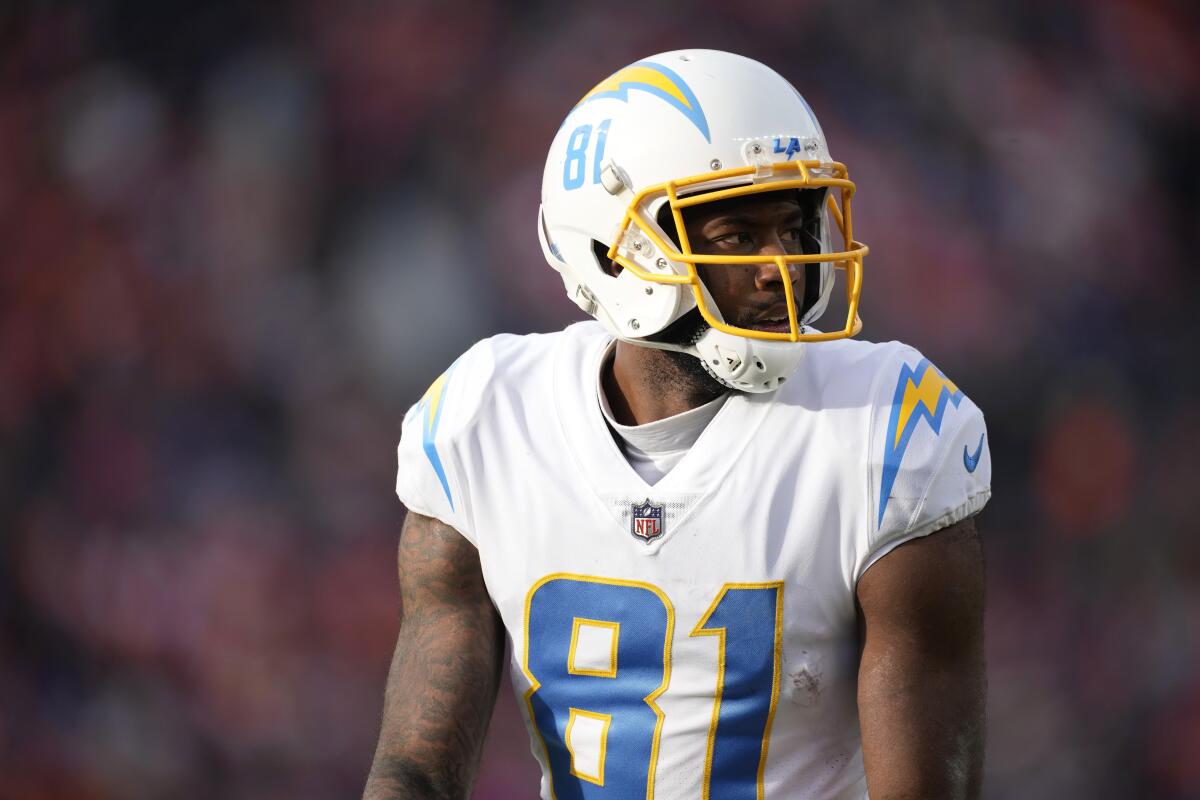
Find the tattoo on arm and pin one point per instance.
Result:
(445, 670)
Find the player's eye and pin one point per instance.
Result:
(734, 239)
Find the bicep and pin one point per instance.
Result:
(922, 686)
(445, 669)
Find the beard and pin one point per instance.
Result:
(684, 368)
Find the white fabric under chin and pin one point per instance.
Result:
(655, 448)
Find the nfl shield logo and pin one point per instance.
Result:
(647, 521)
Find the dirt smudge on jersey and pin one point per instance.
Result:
(806, 686)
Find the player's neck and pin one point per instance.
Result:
(644, 385)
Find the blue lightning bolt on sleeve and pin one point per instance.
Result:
(428, 478)
(929, 454)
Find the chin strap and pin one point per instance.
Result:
(736, 363)
(712, 374)
(693, 350)
(740, 363)
(688, 349)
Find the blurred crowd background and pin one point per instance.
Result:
(238, 239)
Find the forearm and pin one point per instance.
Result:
(398, 778)
(436, 712)
(444, 674)
(397, 775)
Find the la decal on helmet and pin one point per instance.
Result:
(668, 133)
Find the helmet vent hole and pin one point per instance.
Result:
(759, 364)
(606, 264)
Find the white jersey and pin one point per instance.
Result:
(695, 638)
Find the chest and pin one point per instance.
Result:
(689, 622)
(655, 631)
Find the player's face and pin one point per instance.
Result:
(753, 296)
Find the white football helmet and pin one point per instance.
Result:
(680, 129)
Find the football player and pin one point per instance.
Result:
(733, 555)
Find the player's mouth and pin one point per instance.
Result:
(772, 323)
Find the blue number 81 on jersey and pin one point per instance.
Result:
(598, 656)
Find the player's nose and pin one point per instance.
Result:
(768, 274)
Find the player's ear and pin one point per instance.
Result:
(610, 267)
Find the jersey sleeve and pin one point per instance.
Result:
(430, 479)
(930, 465)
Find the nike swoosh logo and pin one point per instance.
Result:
(971, 460)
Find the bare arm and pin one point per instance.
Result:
(921, 683)
(445, 670)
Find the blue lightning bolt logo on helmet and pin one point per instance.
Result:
(646, 76)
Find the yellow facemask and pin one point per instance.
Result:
(810, 175)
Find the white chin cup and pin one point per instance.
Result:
(748, 365)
